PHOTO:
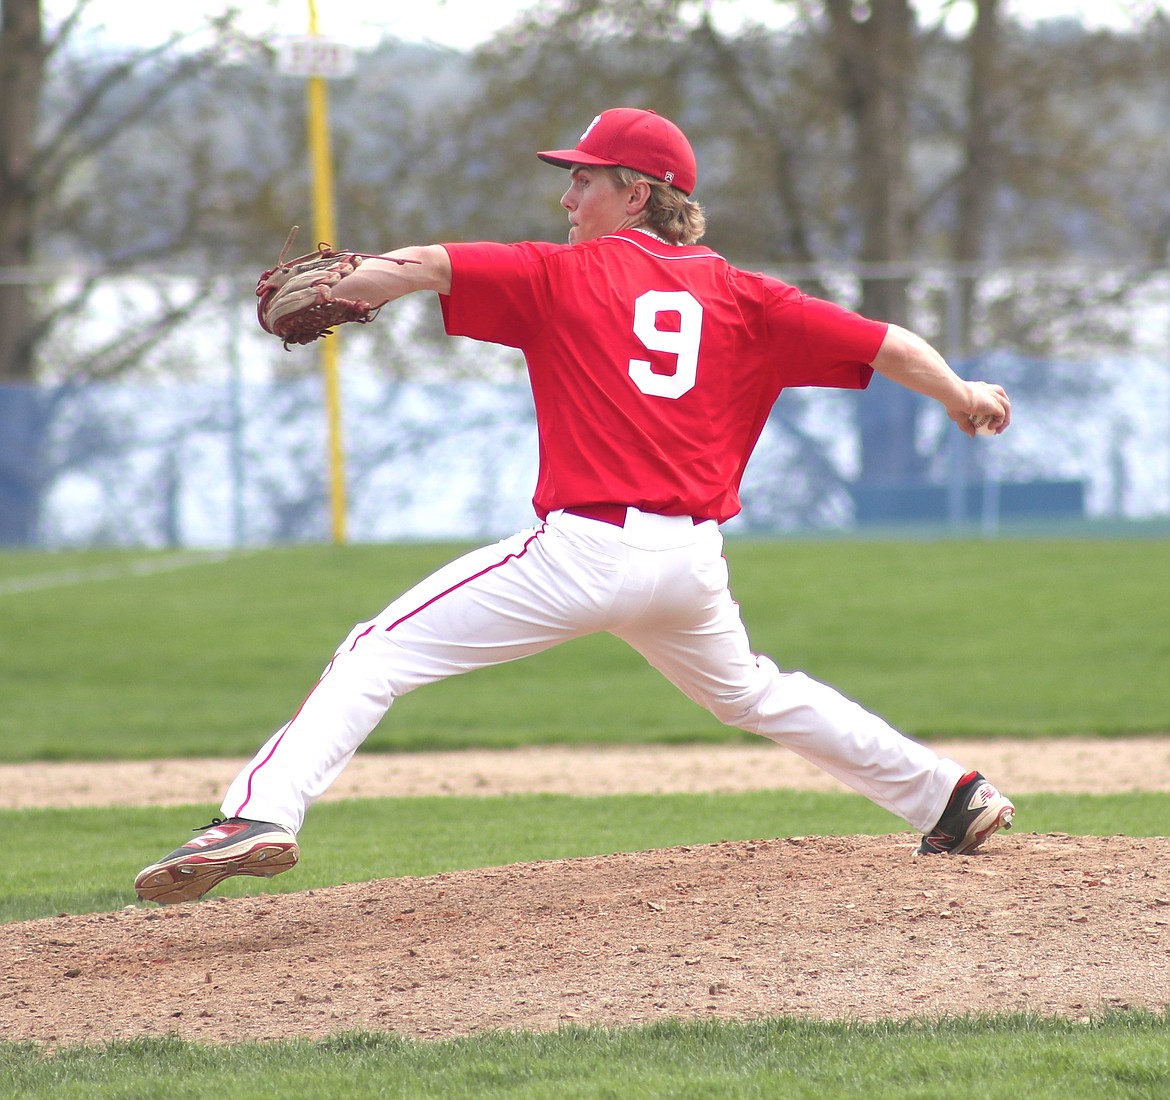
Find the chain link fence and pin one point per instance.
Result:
(215, 437)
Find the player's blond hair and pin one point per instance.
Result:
(669, 213)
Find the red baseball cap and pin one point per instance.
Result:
(627, 137)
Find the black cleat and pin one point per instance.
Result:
(975, 811)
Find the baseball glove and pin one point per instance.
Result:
(296, 300)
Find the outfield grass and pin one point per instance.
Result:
(956, 637)
(1119, 1057)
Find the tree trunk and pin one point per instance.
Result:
(22, 59)
(976, 190)
(977, 180)
(876, 58)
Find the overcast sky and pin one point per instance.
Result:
(459, 24)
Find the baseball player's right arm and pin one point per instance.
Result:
(907, 359)
(379, 282)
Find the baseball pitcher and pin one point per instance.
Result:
(653, 364)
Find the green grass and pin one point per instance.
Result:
(112, 655)
(82, 861)
(954, 637)
(1119, 1056)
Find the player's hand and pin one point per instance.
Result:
(988, 410)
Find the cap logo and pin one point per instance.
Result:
(589, 129)
(669, 177)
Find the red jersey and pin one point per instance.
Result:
(653, 366)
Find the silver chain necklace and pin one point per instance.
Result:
(650, 233)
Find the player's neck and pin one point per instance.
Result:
(650, 233)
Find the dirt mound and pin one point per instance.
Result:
(842, 927)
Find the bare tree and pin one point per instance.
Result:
(63, 115)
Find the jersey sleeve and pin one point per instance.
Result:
(825, 344)
(499, 292)
(848, 342)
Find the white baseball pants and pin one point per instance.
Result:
(660, 584)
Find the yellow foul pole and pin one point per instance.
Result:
(324, 223)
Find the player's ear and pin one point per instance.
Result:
(638, 197)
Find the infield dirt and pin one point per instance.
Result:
(840, 927)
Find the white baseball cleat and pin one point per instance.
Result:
(236, 846)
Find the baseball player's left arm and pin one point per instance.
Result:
(381, 281)
(907, 359)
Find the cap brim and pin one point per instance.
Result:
(566, 158)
